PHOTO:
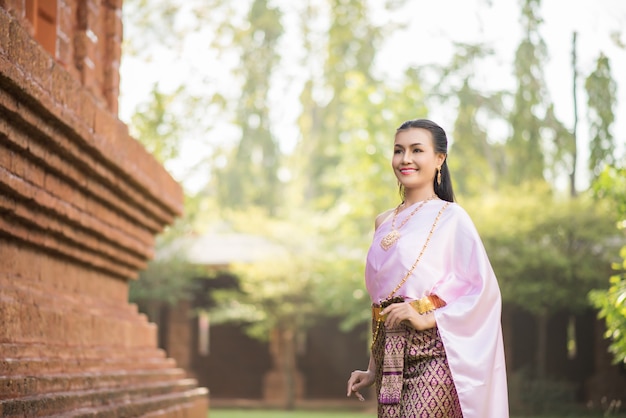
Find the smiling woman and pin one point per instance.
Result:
(437, 346)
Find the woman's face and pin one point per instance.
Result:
(415, 161)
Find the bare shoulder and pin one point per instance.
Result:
(383, 217)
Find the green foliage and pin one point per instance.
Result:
(547, 253)
(525, 158)
(601, 91)
(145, 14)
(470, 140)
(156, 126)
(611, 184)
(165, 280)
(272, 293)
(612, 305)
(168, 278)
(251, 173)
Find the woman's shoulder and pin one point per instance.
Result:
(455, 209)
(458, 215)
(382, 217)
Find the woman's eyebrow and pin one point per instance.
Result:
(410, 145)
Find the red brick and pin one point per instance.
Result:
(15, 7)
(61, 84)
(19, 44)
(8, 204)
(117, 4)
(6, 157)
(105, 123)
(113, 25)
(87, 109)
(4, 29)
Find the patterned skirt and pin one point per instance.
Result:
(427, 387)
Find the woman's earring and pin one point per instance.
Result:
(438, 176)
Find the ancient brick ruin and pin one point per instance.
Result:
(80, 204)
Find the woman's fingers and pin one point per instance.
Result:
(396, 313)
(356, 381)
(353, 382)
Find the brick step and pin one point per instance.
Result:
(33, 350)
(102, 402)
(72, 328)
(21, 386)
(191, 403)
(44, 366)
(196, 405)
(33, 293)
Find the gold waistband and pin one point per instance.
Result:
(422, 306)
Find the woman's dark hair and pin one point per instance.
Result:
(440, 142)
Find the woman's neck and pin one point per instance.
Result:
(412, 197)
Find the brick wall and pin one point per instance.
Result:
(86, 41)
(80, 204)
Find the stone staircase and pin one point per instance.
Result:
(67, 363)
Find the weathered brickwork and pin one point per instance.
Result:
(88, 41)
(80, 204)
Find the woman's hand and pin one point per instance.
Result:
(360, 379)
(400, 312)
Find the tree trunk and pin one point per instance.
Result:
(542, 345)
(289, 368)
(572, 175)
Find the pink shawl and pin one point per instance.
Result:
(456, 268)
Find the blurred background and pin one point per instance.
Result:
(278, 118)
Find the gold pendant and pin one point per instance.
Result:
(389, 239)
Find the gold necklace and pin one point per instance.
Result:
(390, 298)
(394, 235)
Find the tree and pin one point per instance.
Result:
(565, 141)
(250, 175)
(169, 277)
(471, 141)
(601, 91)
(611, 184)
(275, 296)
(525, 156)
(350, 49)
(547, 253)
(156, 126)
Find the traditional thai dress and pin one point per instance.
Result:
(456, 369)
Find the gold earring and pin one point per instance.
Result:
(438, 176)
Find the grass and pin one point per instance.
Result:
(268, 413)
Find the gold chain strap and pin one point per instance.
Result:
(419, 257)
(413, 212)
(408, 274)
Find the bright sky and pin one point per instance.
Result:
(432, 28)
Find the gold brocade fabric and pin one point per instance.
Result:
(428, 390)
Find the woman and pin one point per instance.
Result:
(437, 341)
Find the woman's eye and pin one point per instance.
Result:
(398, 151)
(417, 150)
